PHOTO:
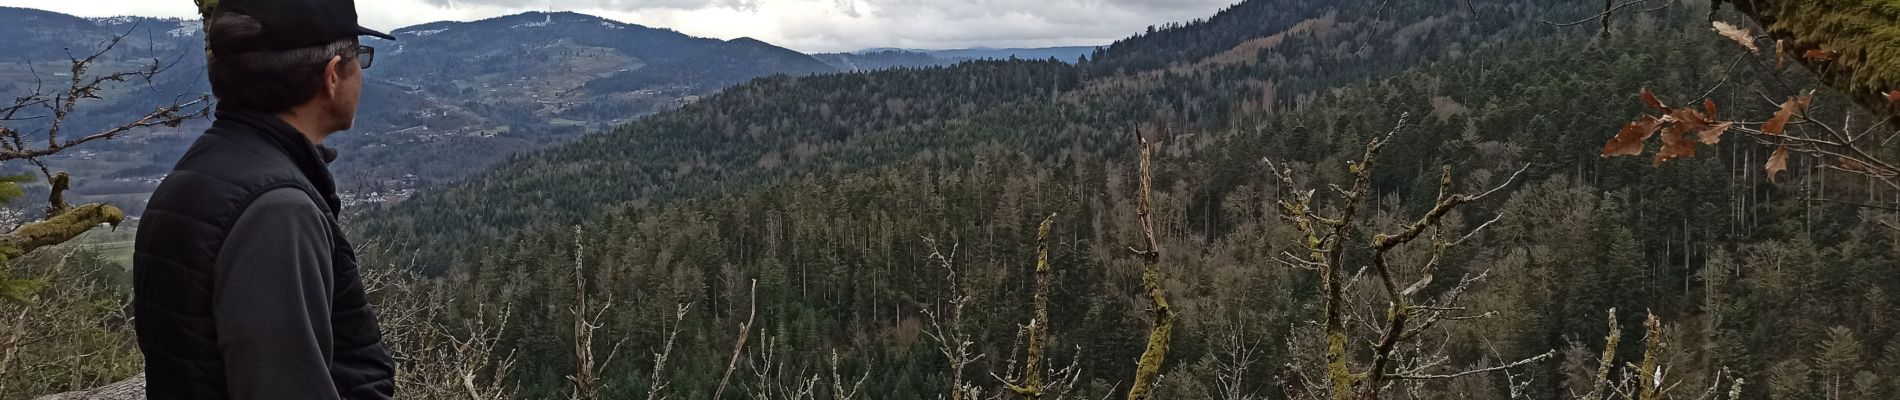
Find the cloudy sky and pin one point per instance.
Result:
(806, 25)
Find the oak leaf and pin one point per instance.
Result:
(1737, 34)
(1675, 145)
(1780, 123)
(1689, 118)
(1649, 98)
(1819, 55)
(1777, 162)
(1629, 141)
(1713, 134)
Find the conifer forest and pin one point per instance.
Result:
(1289, 199)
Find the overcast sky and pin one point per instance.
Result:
(805, 25)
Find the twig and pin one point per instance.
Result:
(838, 392)
(1518, 363)
(1480, 228)
(1606, 13)
(666, 350)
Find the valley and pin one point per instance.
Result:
(453, 97)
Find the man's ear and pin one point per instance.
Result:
(333, 77)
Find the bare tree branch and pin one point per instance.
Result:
(1403, 321)
(654, 391)
(953, 342)
(838, 391)
(738, 345)
(1608, 10)
(1515, 364)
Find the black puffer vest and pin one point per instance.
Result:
(241, 157)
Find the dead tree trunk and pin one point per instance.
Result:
(1149, 368)
(1038, 328)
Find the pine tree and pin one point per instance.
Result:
(1889, 365)
(1788, 380)
(1838, 360)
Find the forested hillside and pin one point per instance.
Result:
(986, 230)
(827, 190)
(885, 58)
(786, 127)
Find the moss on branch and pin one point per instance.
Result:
(59, 229)
(1863, 37)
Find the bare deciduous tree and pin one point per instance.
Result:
(56, 107)
(1409, 314)
(459, 360)
(65, 336)
(772, 381)
(586, 377)
(1241, 351)
(1650, 379)
(953, 341)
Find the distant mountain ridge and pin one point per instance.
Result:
(735, 61)
(521, 82)
(882, 58)
(37, 34)
(446, 98)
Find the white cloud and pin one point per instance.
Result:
(111, 8)
(806, 25)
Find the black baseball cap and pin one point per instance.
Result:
(295, 24)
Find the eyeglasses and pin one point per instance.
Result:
(365, 56)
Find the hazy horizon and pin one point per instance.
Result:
(811, 26)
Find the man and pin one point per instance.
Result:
(245, 287)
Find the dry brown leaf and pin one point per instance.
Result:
(1894, 96)
(1689, 118)
(1713, 134)
(1819, 55)
(1781, 53)
(1777, 162)
(1851, 165)
(1649, 98)
(1675, 145)
(1629, 141)
(1737, 34)
(1780, 122)
(1709, 104)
